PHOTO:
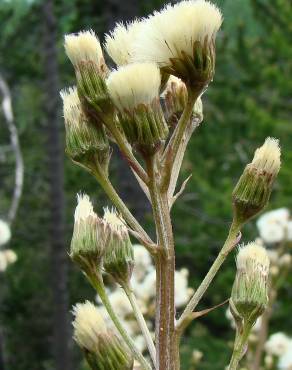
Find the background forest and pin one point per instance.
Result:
(250, 99)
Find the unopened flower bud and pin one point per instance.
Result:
(102, 348)
(134, 90)
(85, 53)
(175, 98)
(86, 143)
(253, 190)
(250, 289)
(186, 50)
(119, 254)
(88, 240)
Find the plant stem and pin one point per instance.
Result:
(192, 125)
(172, 149)
(97, 282)
(165, 269)
(239, 344)
(141, 321)
(126, 151)
(229, 244)
(127, 215)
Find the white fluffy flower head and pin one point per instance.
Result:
(5, 233)
(71, 106)
(253, 257)
(175, 29)
(134, 84)
(10, 255)
(114, 220)
(119, 42)
(277, 344)
(267, 157)
(84, 208)
(88, 325)
(273, 225)
(83, 46)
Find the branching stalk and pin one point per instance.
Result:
(141, 321)
(127, 215)
(97, 282)
(229, 244)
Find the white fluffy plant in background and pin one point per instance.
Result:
(149, 107)
(7, 256)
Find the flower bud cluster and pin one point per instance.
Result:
(146, 52)
(101, 242)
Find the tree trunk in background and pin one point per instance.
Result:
(2, 362)
(129, 190)
(58, 253)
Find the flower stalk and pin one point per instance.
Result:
(231, 241)
(97, 282)
(141, 321)
(132, 107)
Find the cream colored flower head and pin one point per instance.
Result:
(119, 42)
(83, 46)
(175, 29)
(114, 220)
(10, 255)
(134, 84)
(267, 158)
(71, 106)
(88, 326)
(84, 208)
(173, 84)
(253, 258)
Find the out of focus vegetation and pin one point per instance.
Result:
(250, 98)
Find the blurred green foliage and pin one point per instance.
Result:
(249, 99)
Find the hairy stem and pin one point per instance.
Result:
(97, 282)
(239, 346)
(229, 244)
(127, 152)
(127, 215)
(191, 126)
(165, 269)
(172, 149)
(141, 321)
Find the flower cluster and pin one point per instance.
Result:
(149, 106)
